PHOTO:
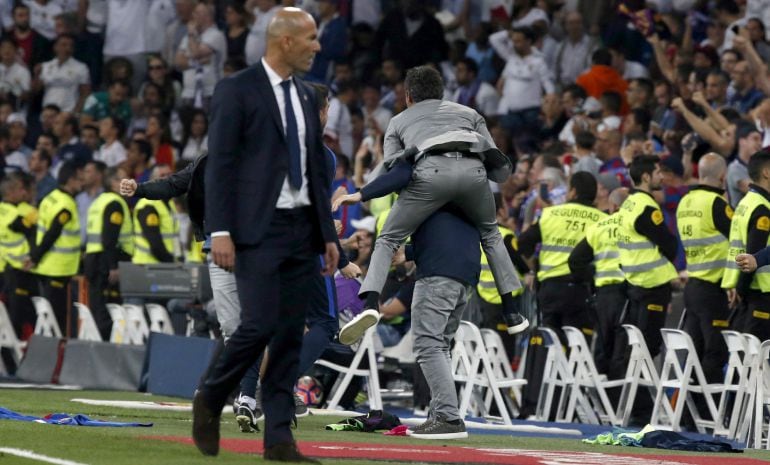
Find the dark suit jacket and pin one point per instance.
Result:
(249, 159)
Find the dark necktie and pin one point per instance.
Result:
(292, 138)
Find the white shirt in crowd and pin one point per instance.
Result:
(534, 15)
(17, 161)
(572, 59)
(195, 148)
(487, 99)
(62, 81)
(161, 13)
(96, 16)
(256, 42)
(14, 79)
(41, 17)
(380, 115)
(290, 197)
(112, 154)
(524, 78)
(340, 127)
(6, 14)
(126, 22)
(367, 11)
(211, 72)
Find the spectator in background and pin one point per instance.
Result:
(608, 145)
(729, 59)
(42, 14)
(48, 142)
(663, 118)
(16, 153)
(195, 135)
(113, 102)
(66, 81)
(93, 186)
(673, 189)
(89, 136)
(749, 141)
(482, 53)
(640, 94)
(584, 153)
(333, 36)
(716, 88)
(611, 103)
(70, 148)
(523, 80)
(553, 118)
(346, 213)
(746, 96)
(201, 57)
(125, 36)
(14, 76)
(160, 15)
(158, 134)
(602, 77)
(758, 38)
(338, 133)
(263, 12)
(472, 91)
(374, 113)
(138, 161)
(177, 29)
(159, 74)
(112, 152)
(237, 30)
(573, 54)
(34, 47)
(39, 168)
(411, 36)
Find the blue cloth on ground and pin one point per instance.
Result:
(671, 440)
(64, 419)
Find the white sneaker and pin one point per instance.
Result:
(355, 329)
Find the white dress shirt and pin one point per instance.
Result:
(62, 82)
(524, 78)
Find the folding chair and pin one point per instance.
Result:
(762, 400)
(365, 348)
(501, 367)
(587, 378)
(556, 374)
(675, 376)
(46, 324)
(740, 430)
(87, 330)
(639, 372)
(160, 321)
(119, 333)
(8, 337)
(136, 325)
(735, 384)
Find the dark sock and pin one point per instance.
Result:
(372, 300)
(509, 304)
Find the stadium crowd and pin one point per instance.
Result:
(94, 91)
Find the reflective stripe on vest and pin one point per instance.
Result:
(640, 260)
(487, 288)
(169, 230)
(562, 227)
(704, 246)
(63, 258)
(739, 232)
(95, 224)
(603, 239)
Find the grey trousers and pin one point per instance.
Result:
(226, 302)
(438, 180)
(437, 307)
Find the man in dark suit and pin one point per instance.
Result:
(268, 212)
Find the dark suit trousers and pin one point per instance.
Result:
(707, 314)
(273, 280)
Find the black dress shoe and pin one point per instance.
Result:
(205, 429)
(287, 452)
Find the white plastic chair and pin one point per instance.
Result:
(136, 325)
(587, 378)
(556, 374)
(752, 362)
(762, 400)
(674, 375)
(160, 321)
(365, 348)
(87, 329)
(639, 372)
(501, 367)
(118, 335)
(736, 383)
(46, 324)
(8, 337)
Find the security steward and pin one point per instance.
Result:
(56, 255)
(647, 249)
(18, 220)
(703, 219)
(155, 230)
(596, 258)
(563, 300)
(109, 240)
(749, 233)
(491, 302)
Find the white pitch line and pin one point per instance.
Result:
(28, 454)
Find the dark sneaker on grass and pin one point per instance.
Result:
(515, 322)
(247, 418)
(439, 428)
(355, 329)
(300, 409)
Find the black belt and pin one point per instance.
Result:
(452, 154)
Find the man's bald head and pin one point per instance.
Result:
(711, 169)
(617, 197)
(287, 22)
(292, 42)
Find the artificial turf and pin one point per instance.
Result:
(118, 446)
